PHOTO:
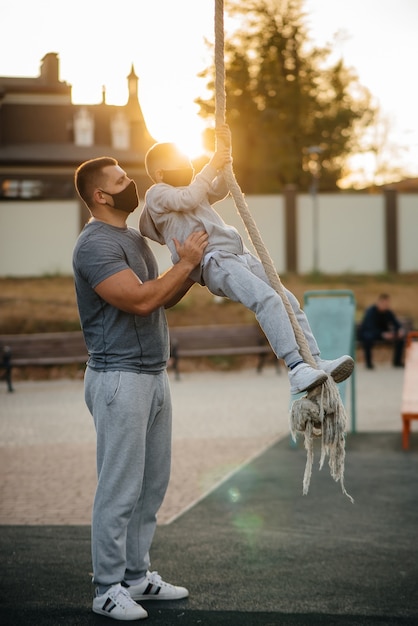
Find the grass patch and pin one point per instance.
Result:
(48, 304)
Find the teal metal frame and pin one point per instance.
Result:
(331, 315)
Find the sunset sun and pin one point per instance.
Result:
(174, 118)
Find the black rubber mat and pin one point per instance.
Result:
(255, 551)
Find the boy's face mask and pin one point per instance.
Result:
(178, 178)
(126, 200)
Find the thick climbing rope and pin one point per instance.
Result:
(321, 412)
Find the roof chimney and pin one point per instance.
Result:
(50, 68)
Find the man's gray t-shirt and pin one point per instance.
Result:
(117, 340)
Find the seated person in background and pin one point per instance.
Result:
(379, 322)
(178, 204)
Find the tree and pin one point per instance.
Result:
(377, 160)
(282, 99)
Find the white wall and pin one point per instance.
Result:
(408, 232)
(351, 236)
(37, 238)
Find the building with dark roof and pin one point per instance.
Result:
(44, 136)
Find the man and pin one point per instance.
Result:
(121, 302)
(379, 322)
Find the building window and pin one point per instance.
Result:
(83, 128)
(21, 189)
(120, 132)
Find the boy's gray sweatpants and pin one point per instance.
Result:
(132, 416)
(242, 278)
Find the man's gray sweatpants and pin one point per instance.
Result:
(132, 416)
(241, 277)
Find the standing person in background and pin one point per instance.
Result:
(121, 302)
(380, 322)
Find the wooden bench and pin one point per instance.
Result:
(218, 340)
(67, 348)
(41, 349)
(409, 410)
(6, 367)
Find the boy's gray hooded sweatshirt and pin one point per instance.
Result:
(175, 212)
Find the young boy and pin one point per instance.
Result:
(178, 204)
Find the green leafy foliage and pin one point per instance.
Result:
(284, 96)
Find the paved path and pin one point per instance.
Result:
(221, 420)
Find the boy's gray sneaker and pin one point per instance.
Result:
(118, 604)
(339, 369)
(304, 377)
(153, 587)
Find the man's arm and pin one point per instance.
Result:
(399, 330)
(125, 291)
(188, 283)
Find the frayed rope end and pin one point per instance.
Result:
(322, 414)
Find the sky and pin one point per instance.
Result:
(97, 41)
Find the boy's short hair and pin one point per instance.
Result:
(162, 156)
(89, 175)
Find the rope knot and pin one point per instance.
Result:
(321, 414)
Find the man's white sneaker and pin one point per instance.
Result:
(304, 377)
(118, 604)
(154, 588)
(339, 369)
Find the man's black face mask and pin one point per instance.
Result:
(178, 178)
(126, 200)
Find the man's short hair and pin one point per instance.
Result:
(89, 175)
